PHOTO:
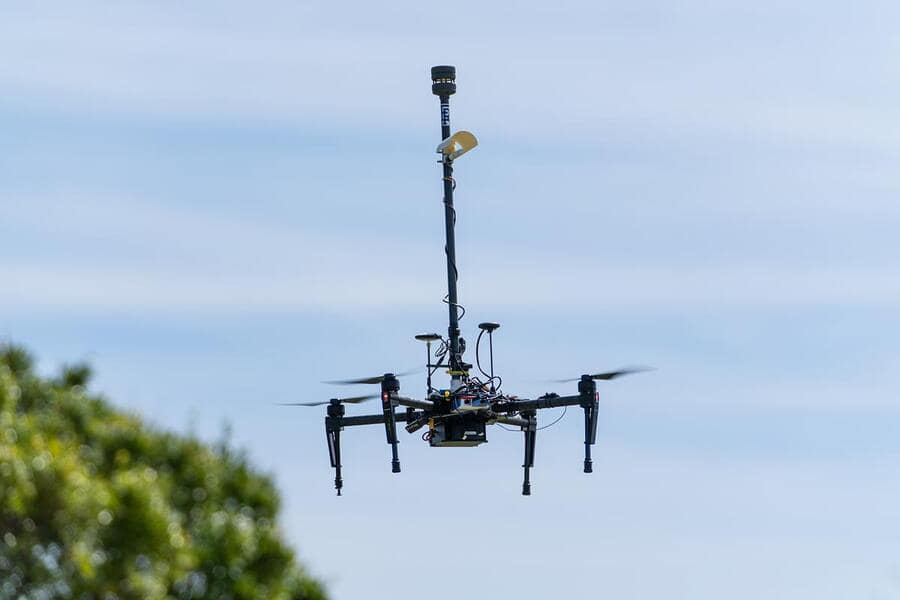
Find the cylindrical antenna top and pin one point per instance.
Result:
(443, 80)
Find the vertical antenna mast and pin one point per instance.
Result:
(443, 85)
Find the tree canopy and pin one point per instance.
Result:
(96, 504)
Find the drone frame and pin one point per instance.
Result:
(419, 412)
(512, 411)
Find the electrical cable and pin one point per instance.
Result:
(452, 264)
(491, 379)
(440, 354)
(477, 358)
(558, 419)
(447, 253)
(446, 300)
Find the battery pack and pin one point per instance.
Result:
(459, 432)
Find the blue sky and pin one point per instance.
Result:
(206, 200)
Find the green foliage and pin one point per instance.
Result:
(95, 504)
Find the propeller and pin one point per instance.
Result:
(351, 400)
(608, 375)
(376, 379)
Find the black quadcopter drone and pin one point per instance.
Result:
(458, 415)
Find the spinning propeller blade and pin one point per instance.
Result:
(351, 400)
(608, 375)
(376, 379)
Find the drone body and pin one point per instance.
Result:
(457, 416)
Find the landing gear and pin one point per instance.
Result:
(390, 385)
(333, 433)
(530, 431)
(587, 389)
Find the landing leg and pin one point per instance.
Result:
(590, 434)
(333, 435)
(389, 385)
(334, 450)
(530, 434)
(587, 388)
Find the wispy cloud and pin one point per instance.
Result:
(570, 81)
(127, 255)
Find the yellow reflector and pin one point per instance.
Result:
(457, 144)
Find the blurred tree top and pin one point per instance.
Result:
(95, 504)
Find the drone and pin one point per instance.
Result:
(458, 415)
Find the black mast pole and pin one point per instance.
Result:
(443, 85)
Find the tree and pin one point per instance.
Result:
(96, 504)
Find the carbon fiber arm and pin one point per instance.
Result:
(546, 401)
